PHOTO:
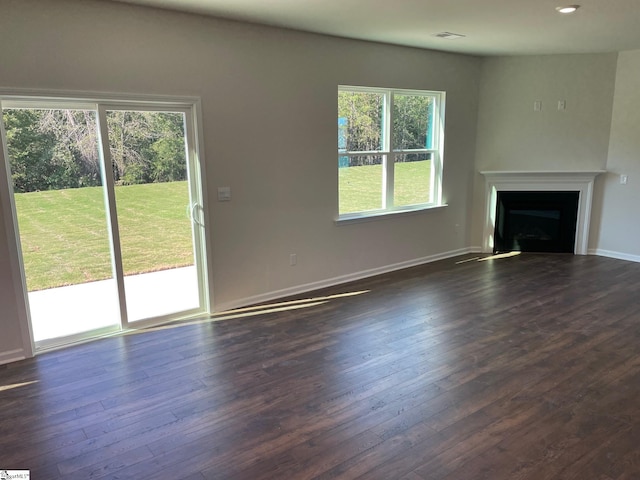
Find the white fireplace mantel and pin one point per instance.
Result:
(550, 181)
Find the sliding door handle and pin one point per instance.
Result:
(194, 214)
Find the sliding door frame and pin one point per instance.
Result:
(101, 103)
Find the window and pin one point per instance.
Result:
(389, 150)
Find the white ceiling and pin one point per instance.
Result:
(492, 27)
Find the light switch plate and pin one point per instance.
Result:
(224, 194)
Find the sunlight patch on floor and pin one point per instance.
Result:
(292, 302)
(490, 257)
(254, 311)
(16, 385)
(500, 255)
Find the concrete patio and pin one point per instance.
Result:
(63, 311)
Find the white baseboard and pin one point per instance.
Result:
(611, 254)
(12, 356)
(330, 282)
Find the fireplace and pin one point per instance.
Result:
(536, 221)
(545, 183)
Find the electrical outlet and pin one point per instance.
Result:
(624, 179)
(293, 260)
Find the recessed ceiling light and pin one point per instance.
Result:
(568, 9)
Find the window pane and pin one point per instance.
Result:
(60, 205)
(55, 170)
(149, 163)
(412, 122)
(412, 172)
(360, 183)
(360, 118)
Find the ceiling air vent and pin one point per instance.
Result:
(449, 35)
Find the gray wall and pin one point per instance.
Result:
(279, 86)
(618, 234)
(512, 136)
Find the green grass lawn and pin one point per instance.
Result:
(361, 187)
(65, 238)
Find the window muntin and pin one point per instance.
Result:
(389, 150)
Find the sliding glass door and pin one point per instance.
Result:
(107, 202)
(58, 186)
(156, 207)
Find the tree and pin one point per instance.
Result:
(76, 148)
(146, 146)
(169, 152)
(30, 152)
(58, 148)
(411, 121)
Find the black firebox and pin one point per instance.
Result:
(537, 221)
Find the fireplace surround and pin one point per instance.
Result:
(540, 181)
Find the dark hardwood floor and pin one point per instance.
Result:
(517, 368)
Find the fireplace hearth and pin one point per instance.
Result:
(534, 221)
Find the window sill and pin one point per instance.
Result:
(373, 216)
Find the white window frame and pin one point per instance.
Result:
(387, 153)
